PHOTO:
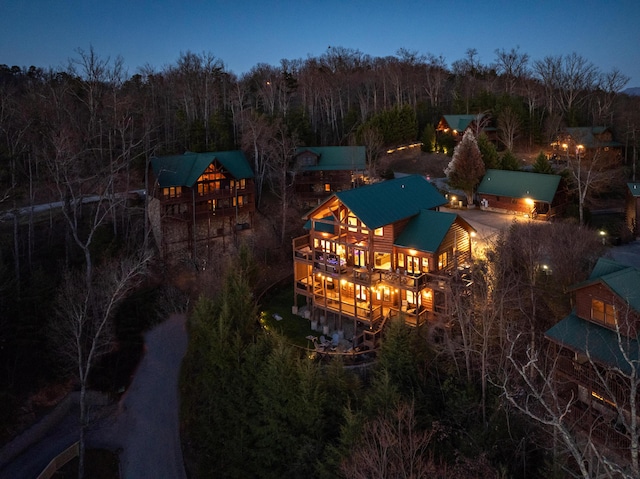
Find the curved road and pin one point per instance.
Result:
(143, 428)
(146, 427)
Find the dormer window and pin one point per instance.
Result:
(603, 312)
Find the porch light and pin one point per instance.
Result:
(565, 146)
(580, 147)
(529, 201)
(603, 235)
(412, 252)
(473, 234)
(343, 281)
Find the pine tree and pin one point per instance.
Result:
(509, 161)
(488, 151)
(466, 168)
(542, 164)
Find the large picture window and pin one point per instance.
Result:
(603, 312)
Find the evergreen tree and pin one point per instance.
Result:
(429, 139)
(542, 164)
(488, 151)
(466, 168)
(509, 162)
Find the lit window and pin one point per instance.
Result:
(378, 232)
(401, 260)
(172, 192)
(443, 260)
(603, 312)
(352, 221)
(327, 187)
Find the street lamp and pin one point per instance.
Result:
(603, 234)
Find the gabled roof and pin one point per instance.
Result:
(461, 122)
(390, 201)
(586, 135)
(426, 231)
(520, 184)
(600, 343)
(184, 170)
(336, 158)
(622, 280)
(634, 188)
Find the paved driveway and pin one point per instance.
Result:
(146, 426)
(143, 427)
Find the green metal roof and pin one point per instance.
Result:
(520, 184)
(623, 280)
(389, 201)
(598, 342)
(634, 188)
(336, 158)
(461, 122)
(184, 170)
(426, 231)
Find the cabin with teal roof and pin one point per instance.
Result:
(200, 203)
(598, 354)
(380, 253)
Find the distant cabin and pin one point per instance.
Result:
(534, 195)
(320, 171)
(588, 141)
(457, 125)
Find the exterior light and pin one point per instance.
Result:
(473, 234)
(580, 147)
(565, 146)
(412, 252)
(529, 201)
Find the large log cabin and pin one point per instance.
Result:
(200, 203)
(377, 253)
(598, 356)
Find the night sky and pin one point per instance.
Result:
(47, 33)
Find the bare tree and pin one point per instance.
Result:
(83, 329)
(282, 149)
(592, 171)
(610, 85)
(508, 127)
(546, 397)
(372, 140)
(513, 65)
(391, 447)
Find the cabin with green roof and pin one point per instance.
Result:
(198, 200)
(598, 353)
(588, 141)
(322, 170)
(379, 253)
(535, 195)
(632, 208)
(456, 125)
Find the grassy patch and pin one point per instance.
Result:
(278, 304)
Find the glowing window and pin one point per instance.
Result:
(603, 312)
